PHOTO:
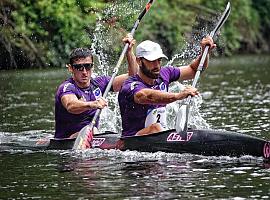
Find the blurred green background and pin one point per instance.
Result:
(41, 33)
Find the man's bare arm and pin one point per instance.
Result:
(77, 106)
(150, 96)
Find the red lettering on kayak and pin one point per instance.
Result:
(176, 137)
(98, 142)
(266, 150)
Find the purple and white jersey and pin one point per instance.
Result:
(137, 116)
(67, 123)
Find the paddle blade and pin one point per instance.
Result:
(84, 138)
(181, 119)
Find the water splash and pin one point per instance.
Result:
(105, 36)
(107, 45)
(196, 119)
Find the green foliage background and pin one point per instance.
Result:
(41, 33)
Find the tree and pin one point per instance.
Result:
(42, 33)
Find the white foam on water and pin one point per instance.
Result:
(189, 159)
(103, 43)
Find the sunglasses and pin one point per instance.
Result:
(81, 67)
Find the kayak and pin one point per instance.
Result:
(194, 141)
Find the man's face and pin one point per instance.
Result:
(82, 71)
(151, 69)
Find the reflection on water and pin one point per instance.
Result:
(241, 95)
(27, 100)
(97, 174)
(235, 96)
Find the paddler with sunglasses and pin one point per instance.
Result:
(78, 98)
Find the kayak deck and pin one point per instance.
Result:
(202, 142)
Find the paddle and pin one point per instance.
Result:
(182, 116)
(85, 135)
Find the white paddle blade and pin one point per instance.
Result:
(84, 138)
(181, 119)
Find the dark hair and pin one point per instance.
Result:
(79, 53)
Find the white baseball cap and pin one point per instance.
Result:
(149, 50)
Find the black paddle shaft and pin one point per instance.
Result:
(116, 69)
(84, 132)
(221, 21)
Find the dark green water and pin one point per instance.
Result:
(236, 96)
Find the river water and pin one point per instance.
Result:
(235, 96)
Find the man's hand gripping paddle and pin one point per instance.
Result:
(182, 115)
(85, 135)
